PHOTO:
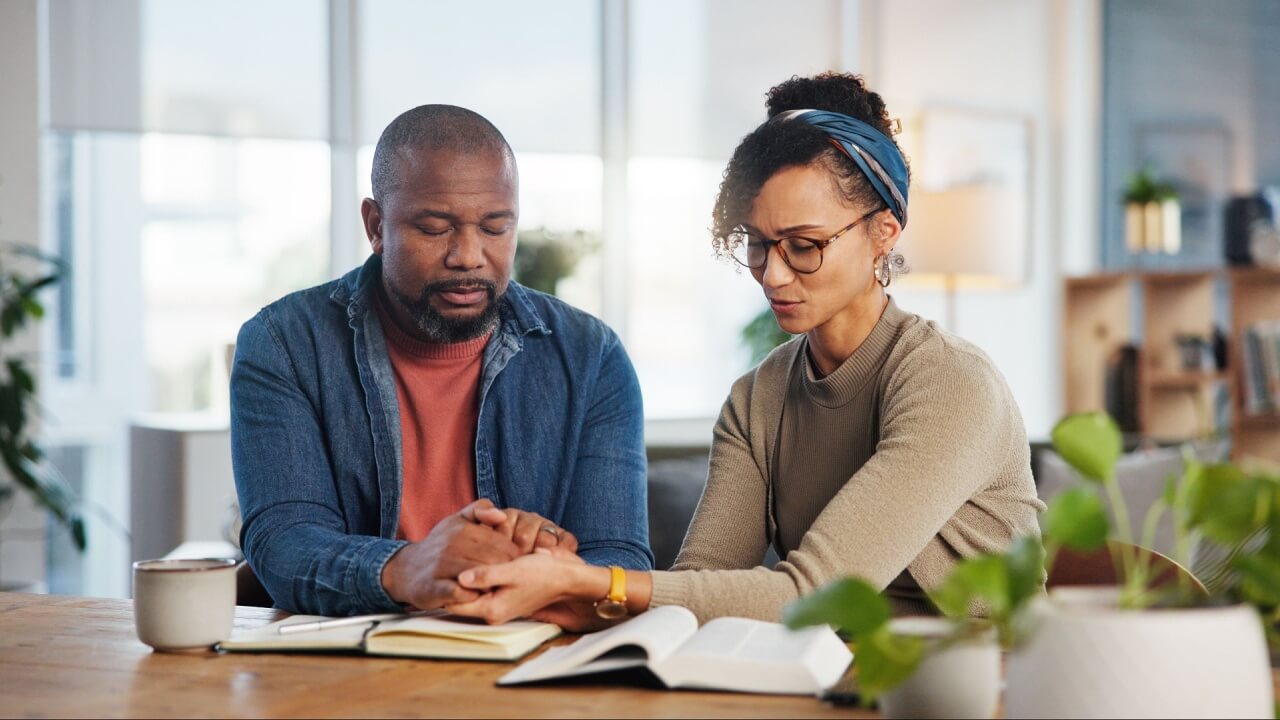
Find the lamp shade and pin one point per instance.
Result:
(966, 231)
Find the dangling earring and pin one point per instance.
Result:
(882, 271)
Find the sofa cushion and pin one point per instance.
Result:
(675, 485)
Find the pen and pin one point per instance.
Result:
(336, 622)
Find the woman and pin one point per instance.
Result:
(873, 445)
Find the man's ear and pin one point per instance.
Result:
(371, 214)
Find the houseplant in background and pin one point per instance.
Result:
(761, 334)
(22, 463)
(544, 258)
(1152, 215)
(1147, 647)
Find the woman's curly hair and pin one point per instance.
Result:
(777, 145)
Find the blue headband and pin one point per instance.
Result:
(873, 153)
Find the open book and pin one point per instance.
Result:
(726, 654)
(431, 636)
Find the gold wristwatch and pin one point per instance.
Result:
(614, 605)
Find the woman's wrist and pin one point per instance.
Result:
(592, 583)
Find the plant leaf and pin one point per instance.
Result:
(849, 604)
(1076, 519)
(32, 308)
(1025, 563)
(983, 579)
(1224, 504)
(885, 660)
(39, 283)
(1089, 442)
(76, 525)
(1259, 578)
(23, 379)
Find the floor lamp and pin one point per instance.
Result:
(963, 234)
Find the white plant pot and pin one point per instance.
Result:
(960, 680)
(1085, 658)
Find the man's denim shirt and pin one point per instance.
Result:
(315, 436)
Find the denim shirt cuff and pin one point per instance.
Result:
(368, 586)
(625, 555)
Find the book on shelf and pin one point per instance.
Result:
(1260, 368)
(734, 654)
(426, 635)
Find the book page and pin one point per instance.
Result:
(643, 640)
(759, 657)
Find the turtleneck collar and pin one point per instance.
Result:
(847, 380)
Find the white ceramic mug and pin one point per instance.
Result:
(184, 605)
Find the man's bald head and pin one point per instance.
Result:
(433, 128)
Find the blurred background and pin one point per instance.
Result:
(189, 161)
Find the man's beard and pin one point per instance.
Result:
(440, 329)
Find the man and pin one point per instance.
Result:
(379, 421)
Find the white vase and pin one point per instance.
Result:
(958, 680)
(1170, 226)
(1086, 658)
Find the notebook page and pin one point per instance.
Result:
(452, 626)
(268, 636)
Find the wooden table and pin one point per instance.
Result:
(77, 657)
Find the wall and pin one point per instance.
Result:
(1038, 59)
(1189, 62)
(22, 544)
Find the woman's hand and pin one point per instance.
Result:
(529, 584)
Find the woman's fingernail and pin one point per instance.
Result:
(466, 577)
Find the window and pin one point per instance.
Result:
(532, 69)
(227, 227)
(205, 159)
(699, 71)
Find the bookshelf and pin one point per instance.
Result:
(1104, 312)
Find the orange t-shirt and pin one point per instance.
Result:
(438, 387)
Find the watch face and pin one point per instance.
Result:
(611, 610)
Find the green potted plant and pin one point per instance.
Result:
(1144, 647)
(544, 258)
(761, 335)
(1149, 646)
(1153, 215)
(22, 462)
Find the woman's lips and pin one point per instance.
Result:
(464, 297)
(783, 306)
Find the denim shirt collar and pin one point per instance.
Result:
(518, 314)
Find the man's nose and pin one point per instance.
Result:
(466, 249)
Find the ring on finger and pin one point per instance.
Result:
(552, 529)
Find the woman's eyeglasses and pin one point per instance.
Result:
(803, 255)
